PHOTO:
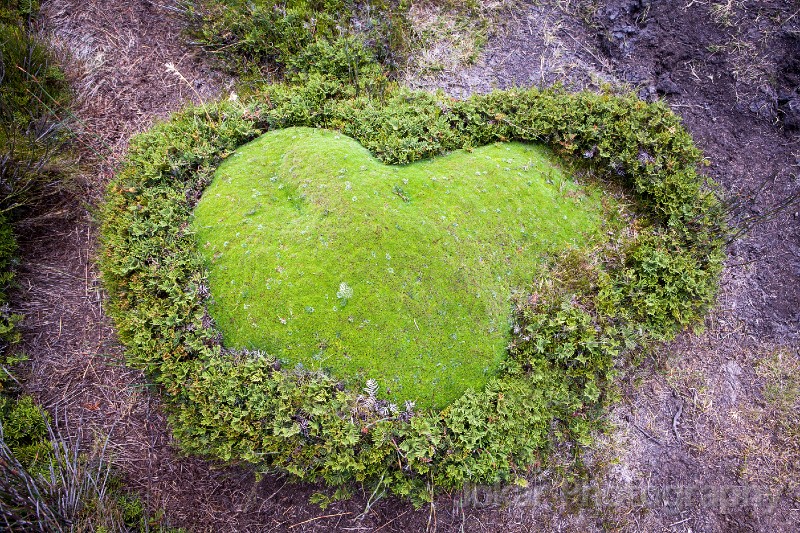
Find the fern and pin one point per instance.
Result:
(371, 389)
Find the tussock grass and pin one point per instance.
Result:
(33, 95)
(72, 486)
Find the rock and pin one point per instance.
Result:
(666, 86)
(789, 111)
(648, 94)
(766, 104)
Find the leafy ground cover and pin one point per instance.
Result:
(319, 254)
(344, 38)
(584, 315)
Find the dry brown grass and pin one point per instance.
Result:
(117, 54)
(528, 44)
(771, 447)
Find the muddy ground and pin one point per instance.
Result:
(696, 447)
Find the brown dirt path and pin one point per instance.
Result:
(688, 417)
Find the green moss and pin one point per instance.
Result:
(428, 255)
(572, 328)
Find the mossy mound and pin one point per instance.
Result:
(586, 312)
(320, 254)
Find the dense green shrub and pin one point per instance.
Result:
(351, 40)
(25, 431)
(579, 317)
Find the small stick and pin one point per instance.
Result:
(646, 434)
(675, 421)
(317, 518)
(174, 70)
(390, 521)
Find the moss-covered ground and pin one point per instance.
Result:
(320, 254)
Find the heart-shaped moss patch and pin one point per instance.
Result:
(322, 255)
(578, 317)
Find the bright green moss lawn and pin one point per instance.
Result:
(322, 255)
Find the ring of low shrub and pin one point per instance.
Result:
(583, 315)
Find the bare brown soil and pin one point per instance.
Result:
(696, 447)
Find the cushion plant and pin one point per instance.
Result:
(582, 311)
(319, 254)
